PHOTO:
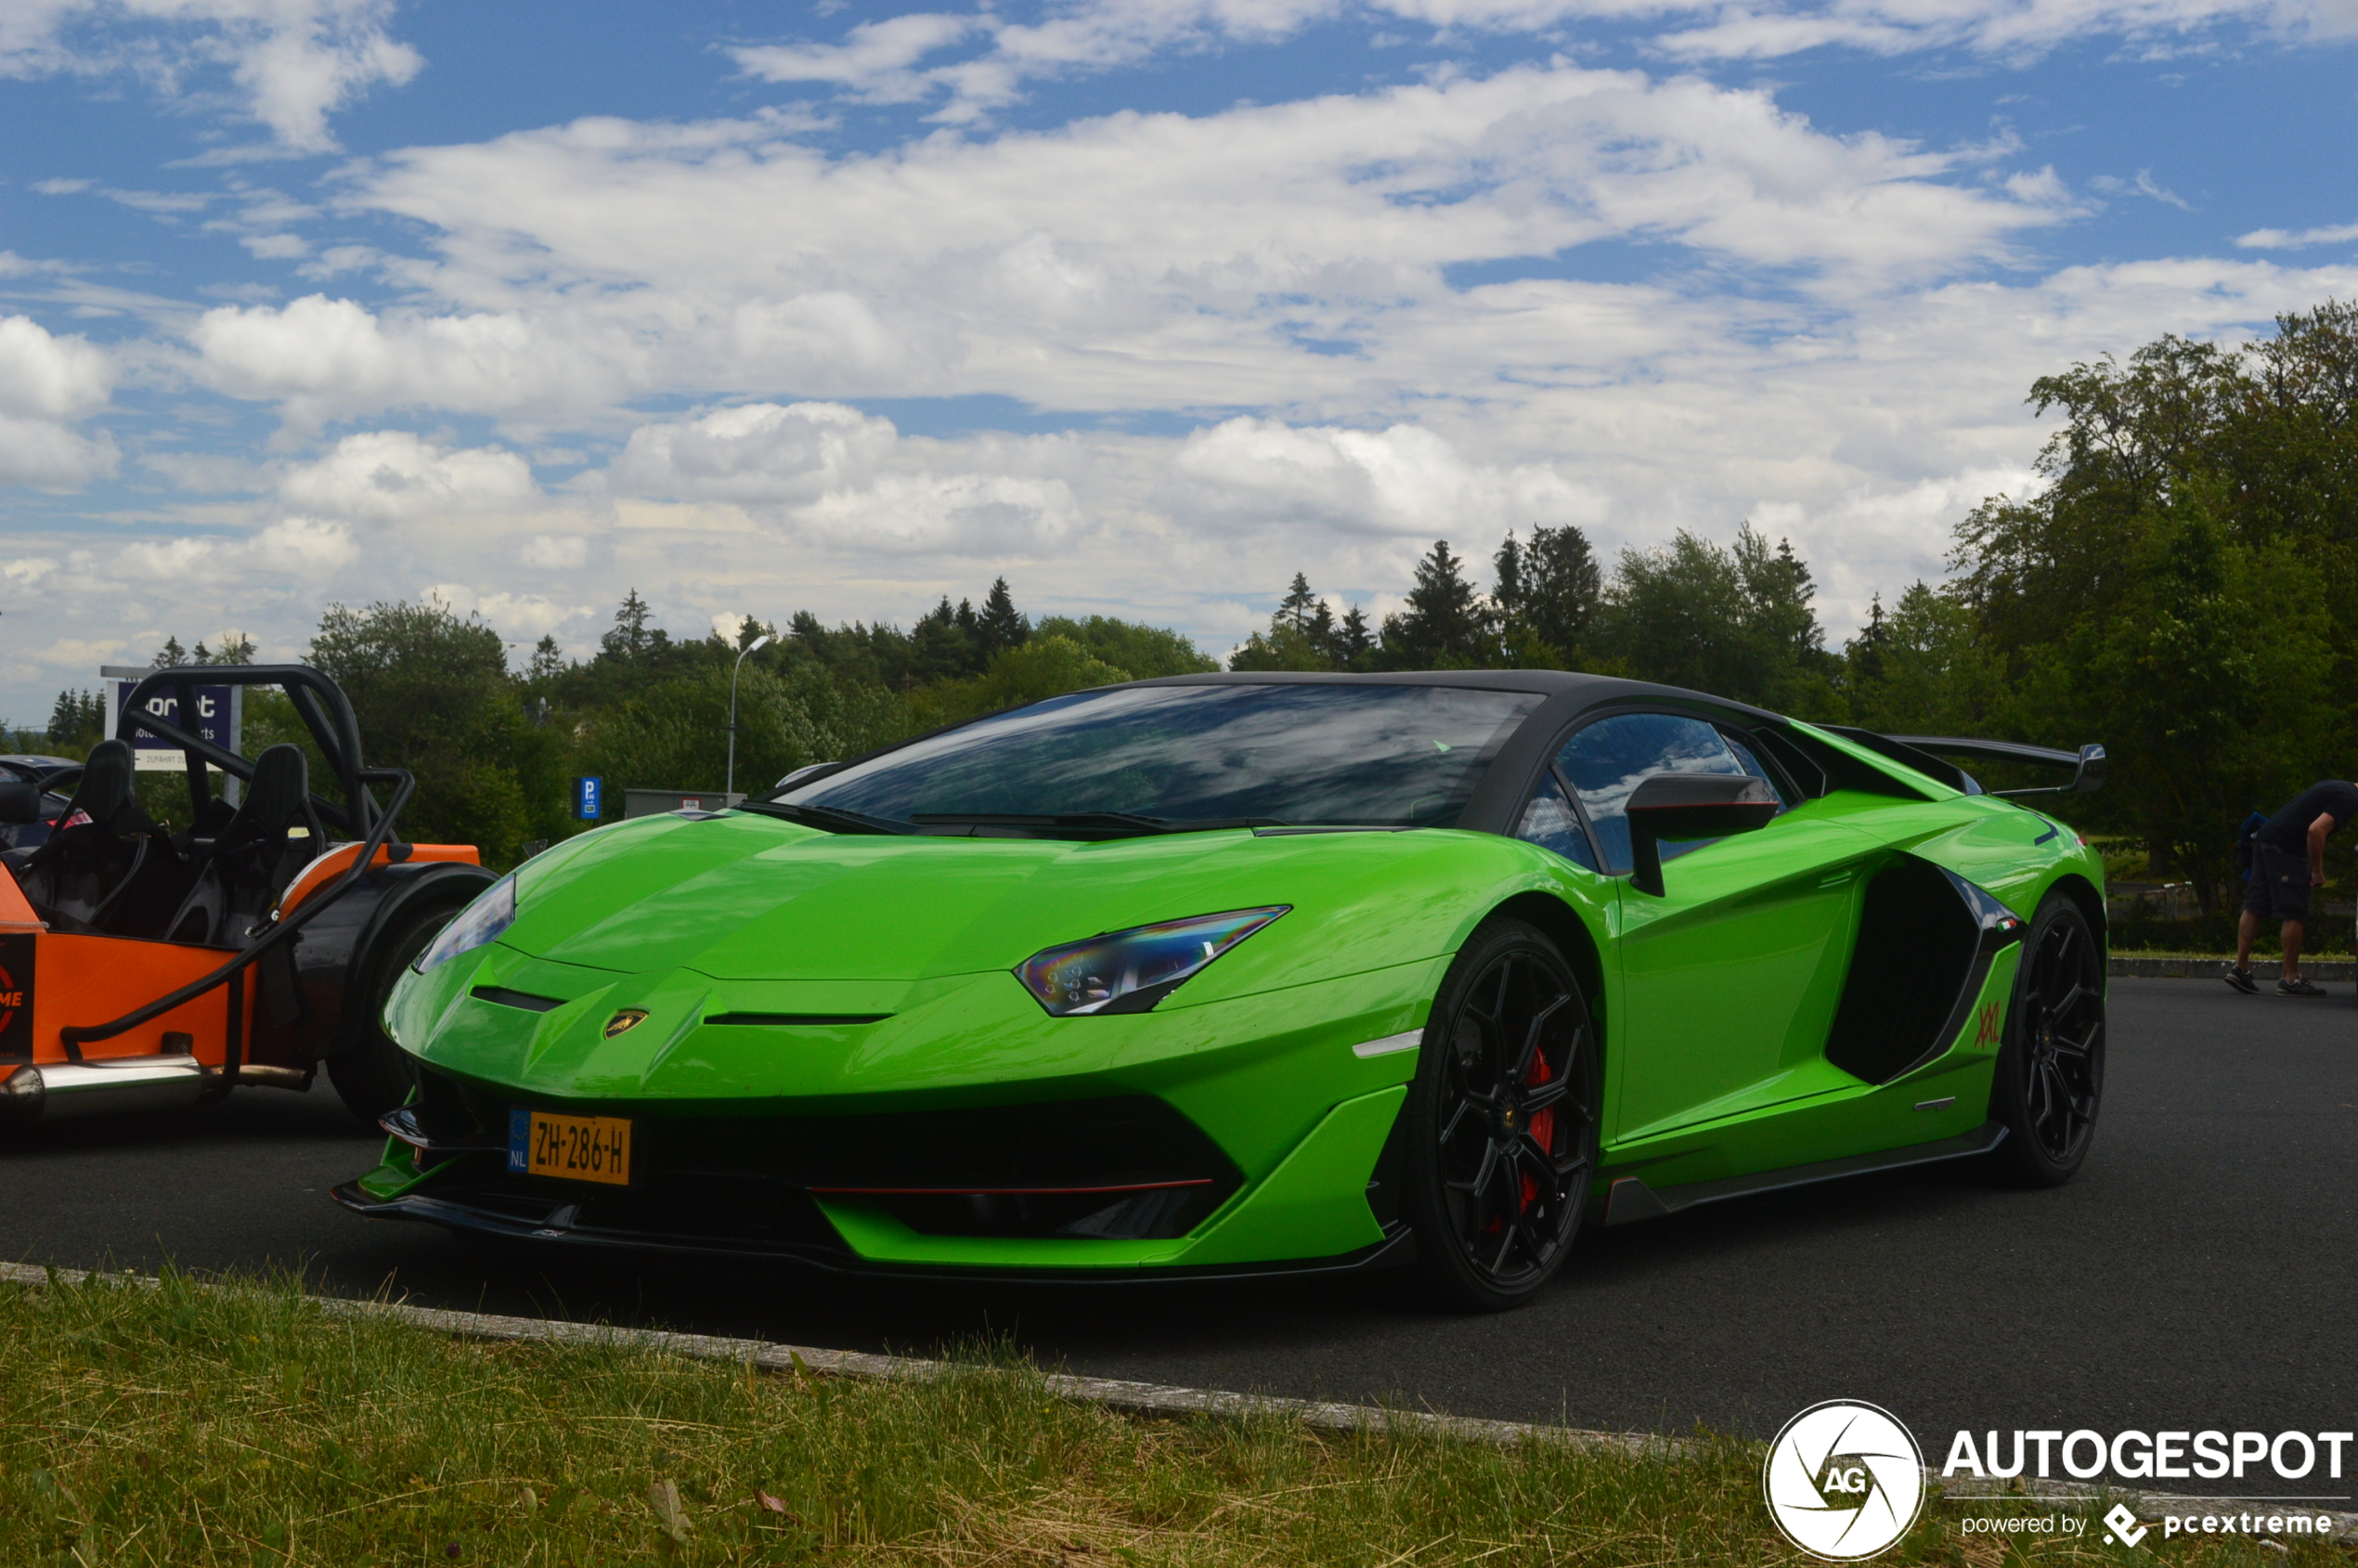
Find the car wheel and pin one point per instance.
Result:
(1501, 1121)
(2050, 1081)
(372, 1075)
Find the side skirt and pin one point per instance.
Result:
(1630, 1199)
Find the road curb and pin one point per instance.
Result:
(1154, 1399)
(2209, 969)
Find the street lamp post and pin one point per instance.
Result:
(730, 788)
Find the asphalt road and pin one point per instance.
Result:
(2201, 1272)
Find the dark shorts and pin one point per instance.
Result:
(2280, 887)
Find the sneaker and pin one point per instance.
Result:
(2241, 980)
(2299, 988)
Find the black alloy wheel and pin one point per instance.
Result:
(1501, 1122)
(2050, 1079)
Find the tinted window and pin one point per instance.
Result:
(1378, 756)
(1608, 760)
(1548, 822)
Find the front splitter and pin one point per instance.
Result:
(1397, 1249)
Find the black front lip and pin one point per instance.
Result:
(1396, 1248)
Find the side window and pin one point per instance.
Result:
(1750, 761)
(1608, 760)
(1548, 822)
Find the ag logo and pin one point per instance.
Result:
(625, 1021)
(1844, 1480)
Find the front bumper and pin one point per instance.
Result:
(989, 1191)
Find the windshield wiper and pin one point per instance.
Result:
(834, 819)
(1121, 822)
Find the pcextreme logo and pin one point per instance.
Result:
(1844, 1480)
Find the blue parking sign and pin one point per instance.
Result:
(588, 798)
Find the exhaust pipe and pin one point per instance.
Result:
(61, 1090)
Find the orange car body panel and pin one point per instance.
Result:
(338, 860)
(49, 979)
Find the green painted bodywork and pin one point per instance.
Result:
(1713, 1000)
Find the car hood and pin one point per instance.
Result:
(742, 897)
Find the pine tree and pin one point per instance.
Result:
(1353, 641)
(999, 627)
(941, 643)
(1294, 608)
(171, 655)
(1866, 649)
(548, 660)
(628, 638)
(1548, 589)
(77, 718)
(1447, 624)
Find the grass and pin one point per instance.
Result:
(237, 1424)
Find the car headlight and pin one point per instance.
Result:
(1130, 971)
(481, 922)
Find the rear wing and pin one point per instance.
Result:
(2087, 764)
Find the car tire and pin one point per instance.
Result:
(2050, 1081)
(372, 1075)
(1500, 1125)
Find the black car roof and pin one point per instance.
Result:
(1584, 689)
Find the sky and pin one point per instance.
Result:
(1145, 305)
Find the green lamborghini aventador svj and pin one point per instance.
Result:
(1230, 974)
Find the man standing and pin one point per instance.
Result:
(2287, 860)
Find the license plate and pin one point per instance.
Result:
(581, 1148)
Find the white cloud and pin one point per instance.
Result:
(517, 616)
(1406, 480)
(975, 63)
(323, 358)
(290, 63)
(551, 552)
(2286, 239)
(46, 383)
(757, 453)
(302, 547)
(389, 474)
(602, 260)
(46, 377)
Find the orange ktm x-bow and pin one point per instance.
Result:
(141, 968)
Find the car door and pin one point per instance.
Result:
(1730, 977)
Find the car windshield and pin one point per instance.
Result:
(1308, 754)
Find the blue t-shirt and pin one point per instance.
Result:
(2288, 829)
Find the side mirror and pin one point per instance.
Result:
(19, 801)
(1677, 806)
(2090, 777)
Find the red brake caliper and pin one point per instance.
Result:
(1542, 1126)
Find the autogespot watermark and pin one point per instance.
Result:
(1845, 1479)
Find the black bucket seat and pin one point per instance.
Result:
(106, 866)
(254, 856)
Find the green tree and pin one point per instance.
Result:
(999, 627)
(1923, 669)
(2183, 586)
(433, 694)
(1046, 665)
(1547, 595)
(1448, 624)
(77, 722)
(1145, 651)
(1737, 622)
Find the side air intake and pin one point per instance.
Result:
(1926, 937)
